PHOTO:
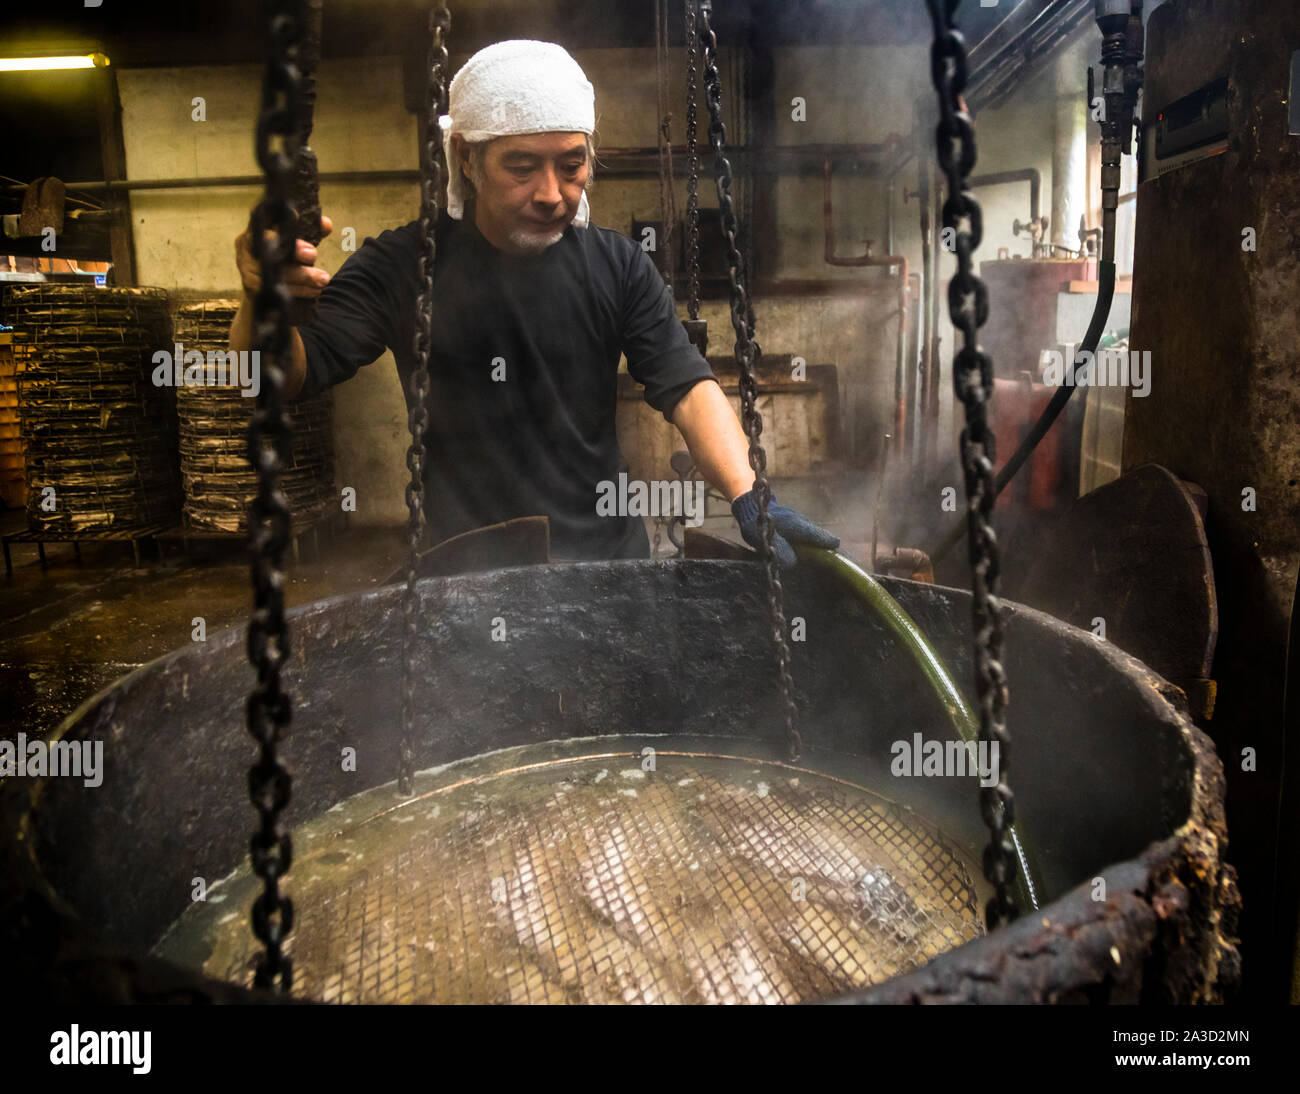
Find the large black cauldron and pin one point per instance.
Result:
(1111, 780)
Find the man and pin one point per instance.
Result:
(532, 307)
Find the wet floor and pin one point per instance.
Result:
(72, 629)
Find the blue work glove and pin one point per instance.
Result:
(788, 527)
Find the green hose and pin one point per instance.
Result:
(872, 595)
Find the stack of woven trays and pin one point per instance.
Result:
(219, 481)
(98, 432)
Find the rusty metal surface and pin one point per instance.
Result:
(1165, 932)
(1222, 324)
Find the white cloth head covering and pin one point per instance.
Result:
(511, 88)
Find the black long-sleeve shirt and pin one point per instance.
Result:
(539, 440)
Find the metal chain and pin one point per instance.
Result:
(431, 180)
(269, 708)
(747, 186)
(968, 307)
(747, 355)
(667, 185)
(693, 164)
(670, 233)
(661, 103)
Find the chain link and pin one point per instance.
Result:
(693, 163)
(432, 165)
(667, 183)
(968, 307)
(747, 186)
(747, 353)
(270, 435)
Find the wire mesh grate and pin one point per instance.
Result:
(705, 881)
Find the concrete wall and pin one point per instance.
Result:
(184, 238)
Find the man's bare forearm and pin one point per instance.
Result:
(241, 338)
(717, 442)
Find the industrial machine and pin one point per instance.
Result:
(1214, 302)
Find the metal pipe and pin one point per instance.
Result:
(880, 500)
(909, 559)
(889, 216)
(904, 398)
(224, 180)
(863, 149)
(1016, 49)
(787, 159)
(925, 426)
(936, 219)
(904, 292)
(893, 140)
(1030, 175)
(619, 162)
(915, 413)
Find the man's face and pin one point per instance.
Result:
(530, 189)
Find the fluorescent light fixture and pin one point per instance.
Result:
(46, 64)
